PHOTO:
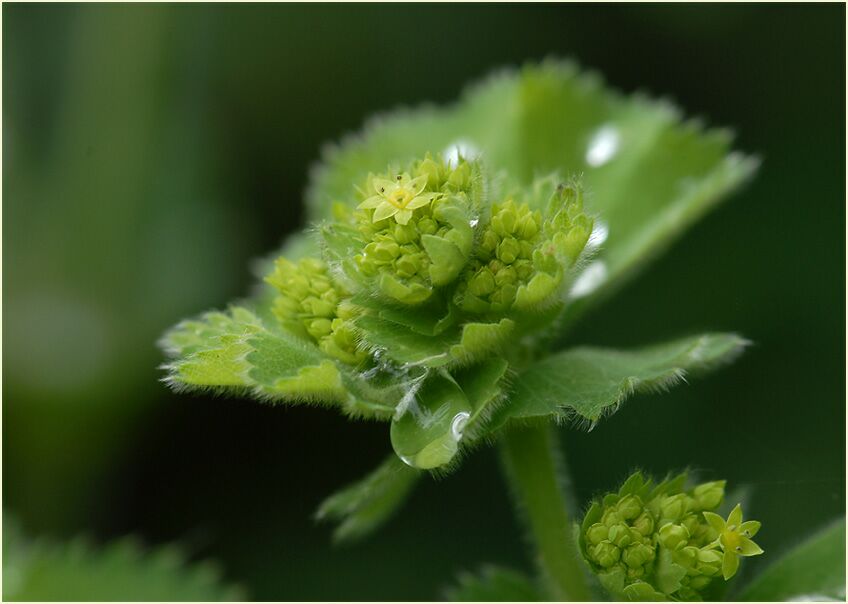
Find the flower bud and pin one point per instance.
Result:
(673, 536)
(709, 562)
(597, 533)
(508, 250)
(311, 306)
(687, 558)
(619, 534)
(637, 554)
(483, 283)
(460, 177)
(673, 508)
(644, 524)
(708, 496)
(629, 507)
(605, 554)
(434, 171)
(427, 226)
(611, 518)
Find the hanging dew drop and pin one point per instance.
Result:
(458, 424)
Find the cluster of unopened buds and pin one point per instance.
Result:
(664, 542)
(428, 234)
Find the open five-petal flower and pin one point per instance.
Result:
(734, 537)
(398, 198)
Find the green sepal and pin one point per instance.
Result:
(456, 346)
(405, 293)
(363, 507)
(668, 573)
(541, 290)
(481, 339)
(613, 581)
(429, 319)
(446, 259)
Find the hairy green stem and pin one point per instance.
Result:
(530, 459)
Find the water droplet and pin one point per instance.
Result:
(463, 147)
(603, 146)
(600, 232)
(428, 426)
(407, 403)
(458, 424)
(473, 223)
(592, 277)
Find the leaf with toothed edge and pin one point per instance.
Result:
(76, 570)
(495, 584)
(210, 351)
(363, 507)
(591, 382)
(235, 352)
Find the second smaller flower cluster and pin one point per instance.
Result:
(664, 542)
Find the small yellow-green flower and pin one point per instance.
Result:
(734, 537)
(398, 198)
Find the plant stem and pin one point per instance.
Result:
(530, 459)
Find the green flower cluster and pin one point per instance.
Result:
(521, 258)
(417, 227)
(663, 542)
(421, 253)
(312, 306)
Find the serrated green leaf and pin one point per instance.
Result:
(495, 584)
(194, 335)
(282, 366)
(593, 381)
(236, 351)
(812, 571)
(651, 174)
(365, 506)
(211, 351)
(41, 570)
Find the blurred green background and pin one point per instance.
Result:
(151, 152)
